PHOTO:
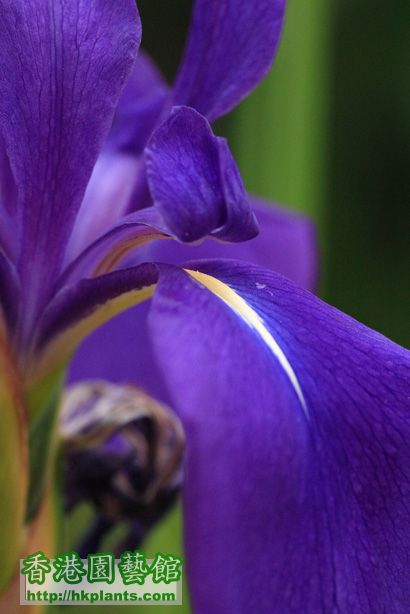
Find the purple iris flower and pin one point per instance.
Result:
(88, 174)
(296, 417)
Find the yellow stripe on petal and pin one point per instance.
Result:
(253, 319)
(121, 250)
(60, 348)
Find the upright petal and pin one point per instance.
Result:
(62, 68)
(119, 172)
(140, 106)
(230, 49)
(195, 182)
(9, 228)
(297, 420)
(107, 199)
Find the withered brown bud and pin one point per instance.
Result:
(122, 452)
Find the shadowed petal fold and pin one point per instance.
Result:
(9, 291)
(82, 307)
(297, 420)
(230, 48)
(195, 182)
(286, 243)
(62, 68)
(110, 248)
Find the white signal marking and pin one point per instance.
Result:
(254, 321)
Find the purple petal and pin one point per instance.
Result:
(194, 181)
(9, 227)
(297, 474)
(62, 68)
(82, 307)
(230, 49)
(106, 199)
(111, 191)
(192, 177)
(129, 329)
(103, 255)
(286, 243)
(140, 107)
(9, 241)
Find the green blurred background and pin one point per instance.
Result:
(327, 133)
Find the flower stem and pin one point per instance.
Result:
(13, 468)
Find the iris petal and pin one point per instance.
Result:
(312, 495)
(230, 49)
(194, 181)
(296, 512)
(9, 292)
(286, 243)
(80, 308)
(128, 329)
(106, 200)
(62, 68)
(140, 107)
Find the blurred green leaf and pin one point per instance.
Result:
(279, 133)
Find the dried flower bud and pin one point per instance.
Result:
(123, 453)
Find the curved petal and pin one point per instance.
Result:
(82, 307)
(230, 49)
(104, 254)
(297, 418)
(62, 68)
(286, 243)
(195, 182)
